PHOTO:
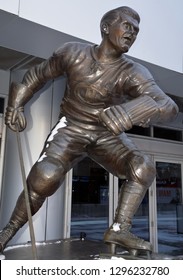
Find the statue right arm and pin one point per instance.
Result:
(33, 80)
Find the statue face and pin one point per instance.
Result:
(123, 33)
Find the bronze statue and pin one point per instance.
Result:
(106, 95)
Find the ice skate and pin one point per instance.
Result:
(119, 235)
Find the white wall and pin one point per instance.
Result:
(10, 6)
(4, 89)
(159, 42)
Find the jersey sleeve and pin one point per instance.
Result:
(147, 97)
(53, 67)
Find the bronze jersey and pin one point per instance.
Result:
(93, 86)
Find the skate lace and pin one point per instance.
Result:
(126, 228)
(131, 235)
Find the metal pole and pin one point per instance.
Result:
(31, 229)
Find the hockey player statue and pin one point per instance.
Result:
(106, 95)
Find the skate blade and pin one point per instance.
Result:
(130, 254)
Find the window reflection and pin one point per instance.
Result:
(168, 183)
(169, 208)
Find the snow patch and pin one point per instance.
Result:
(60, 124)
(116, 227)
(42, 157)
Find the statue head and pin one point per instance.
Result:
(117, 14)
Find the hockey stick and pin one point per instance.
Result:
(31, 229)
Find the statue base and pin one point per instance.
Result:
(75, 249)
(152, 256)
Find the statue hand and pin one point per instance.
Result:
(111, 118)
(14, 118)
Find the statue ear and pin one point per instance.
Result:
(105, 28)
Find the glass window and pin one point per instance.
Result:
(138, 130)
(90, 200)
(169, 208)
(169, 134)
(1, 105)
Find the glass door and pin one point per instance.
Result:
(169, 207)
(90, 201)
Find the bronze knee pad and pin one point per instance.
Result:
(140, 169)
(46, 176)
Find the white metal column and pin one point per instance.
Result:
(68, 204)
(153, 217)
(113, 196)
